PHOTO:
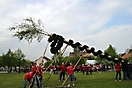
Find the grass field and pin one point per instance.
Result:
(96, 80)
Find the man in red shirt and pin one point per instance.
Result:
(118, 71)
(78, 68)
(54, 68)
(51, 68)
(87, 69)
(28, 78)
(83, 68)
(62, 71)
(91, 68)
(71, 76)
(40, 74)
(34, 68)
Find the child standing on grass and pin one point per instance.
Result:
(51, 68)
(87, 69)
(91, 68)
(83, 68)
(71, 76)
(62, 71)
(118, 71)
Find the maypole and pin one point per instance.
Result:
(30, 29)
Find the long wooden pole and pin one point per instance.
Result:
(45, 50)
(49, 66)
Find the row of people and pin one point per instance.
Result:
(62, 68)
(36, 73)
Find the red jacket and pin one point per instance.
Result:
(83, 67)
(70, 69)
(34, 68)
(78, 67)
(63, 68)
(117, 67)
(29, 75)
(87, 67)
(40, 71)
(91, 67)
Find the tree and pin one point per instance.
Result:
(1, 64)
(8, 59)
(112, 52)
(29, 29)
(20, 56)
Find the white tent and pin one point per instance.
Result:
(90, 62)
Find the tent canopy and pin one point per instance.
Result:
(90, 62)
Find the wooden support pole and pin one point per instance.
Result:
(48, 66)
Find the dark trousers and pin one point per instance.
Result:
(40, 81)
(87, 72)
(125, 75)
(130, 75)
(54, 71)
(62, 75)
(83, 71)
(91, 71)
(118, 73)
(26, 82)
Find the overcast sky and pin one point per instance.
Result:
(96, 23)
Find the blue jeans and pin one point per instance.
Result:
(26, 82)
(125, 75)
(87, 71)
(37, 80)
(40, 80)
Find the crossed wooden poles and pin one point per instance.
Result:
(61, 53)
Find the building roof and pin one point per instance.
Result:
(84, 54)
(46, 58)
(126, 56)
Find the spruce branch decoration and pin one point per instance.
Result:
(29, 30)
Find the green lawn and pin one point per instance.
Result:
(96, 80)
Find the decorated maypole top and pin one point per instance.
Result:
(30, 29)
